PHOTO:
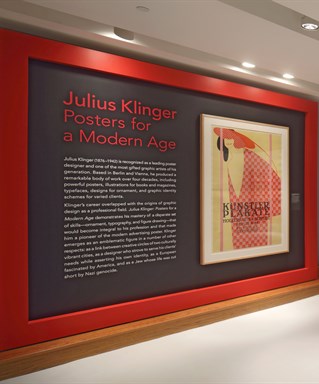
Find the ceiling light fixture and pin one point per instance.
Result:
(248, 65)
(141, 8)
(123, 33)
(288, 76)
(309, 25)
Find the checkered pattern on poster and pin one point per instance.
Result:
(258, 201)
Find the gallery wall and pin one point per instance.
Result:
(108, 142)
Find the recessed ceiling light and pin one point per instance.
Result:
(248, 65)
(309, 24)
(123, 33)
(142, 9)
(288, 76)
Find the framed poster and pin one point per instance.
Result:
(245, 182)
(100, 214)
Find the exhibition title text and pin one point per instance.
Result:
(140, 119)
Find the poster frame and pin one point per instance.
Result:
(222, 220)
(16, 329)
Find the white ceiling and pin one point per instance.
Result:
(209, 36)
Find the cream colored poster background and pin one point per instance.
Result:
(262, 149)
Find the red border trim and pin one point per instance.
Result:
(16, 50)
